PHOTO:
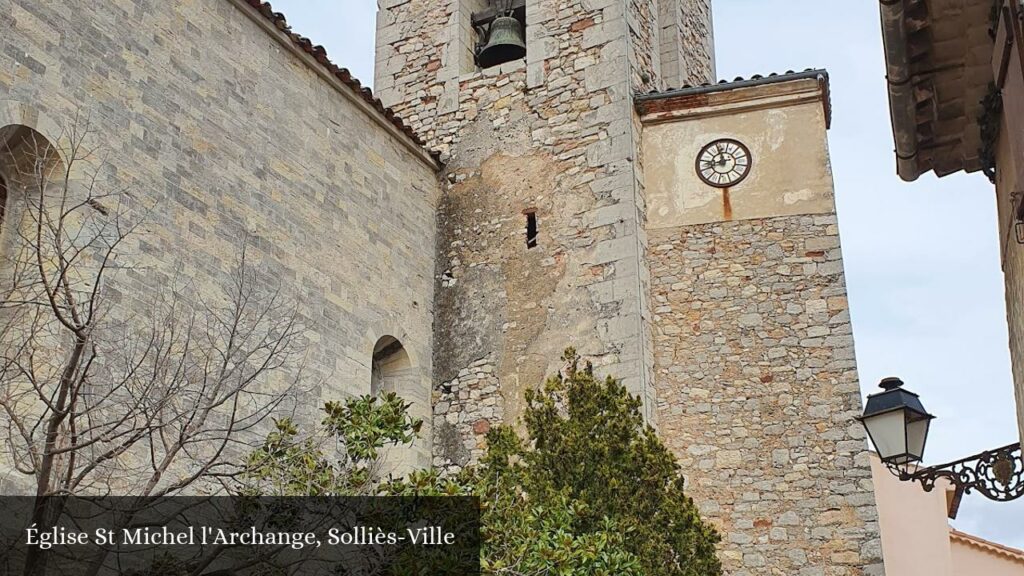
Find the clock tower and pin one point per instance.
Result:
(754, 366)
(682, 239)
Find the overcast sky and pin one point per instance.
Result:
(922, 259)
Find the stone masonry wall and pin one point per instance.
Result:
(1010, 168)
(757, 391)
(205, 113)
(556, 135)
(1013, 271)
(645, 39)
(697, 43)
(687, 49)
(465, 409)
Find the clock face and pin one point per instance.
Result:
(723, 163)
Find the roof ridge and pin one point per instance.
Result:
(773, 76)
(987, 545)
(319, 53)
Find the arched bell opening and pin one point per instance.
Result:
(392, 370)
(501, 32)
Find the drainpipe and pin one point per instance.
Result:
(901, 89)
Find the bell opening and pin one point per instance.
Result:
(506, 41)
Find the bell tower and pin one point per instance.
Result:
(541, 241)
(666, 236)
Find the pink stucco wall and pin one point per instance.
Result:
(916, 534)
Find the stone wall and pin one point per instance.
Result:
(645, 40)
(1010, 169)
(207, 114)
(757, 391)
(754, 361)
(687, 43)
(465, 409)
(555, 135)
(697, 43)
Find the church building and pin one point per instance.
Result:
(527, 175)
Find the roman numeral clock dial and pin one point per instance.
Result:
(723, 163)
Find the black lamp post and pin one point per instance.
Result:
(897, 424)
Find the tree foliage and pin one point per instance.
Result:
(289, 465)
(590, 490)
(592, 449)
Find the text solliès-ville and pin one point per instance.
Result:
(205, 535)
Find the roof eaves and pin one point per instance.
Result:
(819, 74)
(739, 82)
(925, 78)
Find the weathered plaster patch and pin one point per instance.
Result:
(795, 197)
(788, 150)
(776, 128)
(485, 231)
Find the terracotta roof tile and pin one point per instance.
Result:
(990, 547)
(756, 80)
(319, 53)
(774, 76)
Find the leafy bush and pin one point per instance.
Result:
(590, 490)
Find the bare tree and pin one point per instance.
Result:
(103, 391)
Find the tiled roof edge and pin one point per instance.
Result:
(757, 80)
(991, 547)
(740, 82)
(319, 53)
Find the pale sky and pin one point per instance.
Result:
(922, 259)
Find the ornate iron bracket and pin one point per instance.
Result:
(997, 474)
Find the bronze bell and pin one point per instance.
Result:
(505, 42)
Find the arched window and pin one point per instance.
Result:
(392, 370)
(390, 364)
(27, 160)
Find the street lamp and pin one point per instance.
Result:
(897, 424)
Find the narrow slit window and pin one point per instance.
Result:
(3, 202)
(531, 229)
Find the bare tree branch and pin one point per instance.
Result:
(154, 396)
